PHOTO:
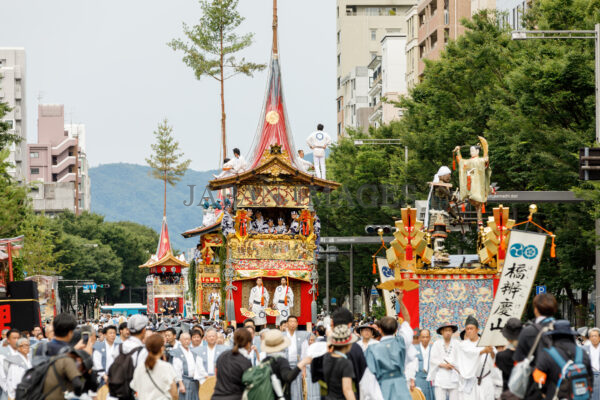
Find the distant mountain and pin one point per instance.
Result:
(127, 192)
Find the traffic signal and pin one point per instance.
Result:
(104, 286)
(374, 229)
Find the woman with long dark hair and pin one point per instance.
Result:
(231, 366)
(155, 378)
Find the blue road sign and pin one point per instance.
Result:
(540, 289)
(374, 292)
(333, 300)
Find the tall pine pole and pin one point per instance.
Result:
(166, 160)
(210, 46)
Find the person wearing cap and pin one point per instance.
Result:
(367, 334)
(137, 331)
(593, 349)
(547, 372)
(418, 369)
(259, 299)
(338, 371)
(283, 300)
(442, 371)
(504, 358)
(474, 365)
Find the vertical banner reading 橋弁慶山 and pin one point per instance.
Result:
(524, 252)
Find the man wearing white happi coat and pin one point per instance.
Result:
(259, 300)
(474, 365)
(282, 293)
(442, 364)
(215, 305)
(318, 142)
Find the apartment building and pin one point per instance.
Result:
(412, 48)
(513, 12)
(439, 21)
(12, 92)
(388, 80)
(361, 26)
(58, 166)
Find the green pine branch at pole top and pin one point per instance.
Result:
(212, 43)
(166, 161)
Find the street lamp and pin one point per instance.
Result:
(578, 34)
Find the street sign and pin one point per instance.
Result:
(540, 289)
(374, 292)
(333, 300)
(86, 288)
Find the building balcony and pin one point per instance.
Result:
(375, 90)
(64, 164)
(63, 146)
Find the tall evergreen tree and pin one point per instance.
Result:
(212, 45)
(166, 161)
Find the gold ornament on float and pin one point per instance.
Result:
(272, 117)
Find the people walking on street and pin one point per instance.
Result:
(231, 366)
(154, 379)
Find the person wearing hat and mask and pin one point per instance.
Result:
(283, 300)
(274, 345)
(259, 299)
(367, 335)
(474, 365)
(504, 358)
(547, 372)
(442, 370)
(418, 369)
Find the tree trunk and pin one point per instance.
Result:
(223, 138)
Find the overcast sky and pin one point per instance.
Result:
(108, 63)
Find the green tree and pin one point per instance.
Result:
(210, 46)
(165, 162)
(38, 254)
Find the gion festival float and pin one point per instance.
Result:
(275, 186)
(492, 284)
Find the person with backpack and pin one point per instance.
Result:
(70, 372)
(230, 367)
(63, 325)
(544, 307)
(154, 379)
(126, 357)
(563, 370)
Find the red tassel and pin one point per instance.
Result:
(553, 249)
(453, 164)
(463, 207)
(262, 301)
(409, 252)
(374, 267)
(483, 208)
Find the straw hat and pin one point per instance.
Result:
(341, 336)
(274, 341)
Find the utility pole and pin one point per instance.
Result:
(327, 278)
(352, 279)
(578, 34)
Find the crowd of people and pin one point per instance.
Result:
(169, 358)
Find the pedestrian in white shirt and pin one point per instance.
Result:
(18, 364)
(442, 364)
(367, 335)
(420, 365)
(302, 163)
(188, 368)
(137, 329)
(594, 351)
(154, 379)
(104, 352)
(318, 142)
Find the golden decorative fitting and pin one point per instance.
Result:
(532, 210)
(272, 117)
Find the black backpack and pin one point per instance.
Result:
(120, 373)
(32, 384)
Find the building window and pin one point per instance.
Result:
(34, 154)
(422, 18)
(339, 128)
(433, 40)
(446, 35)
(339, 81)
(54, 177)
(34, 171)
(373, 34)
(54, 160)
(339, 59)
(432, 8)
(339, 37)
(373, 55)
(339, 105)
(338, 12)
